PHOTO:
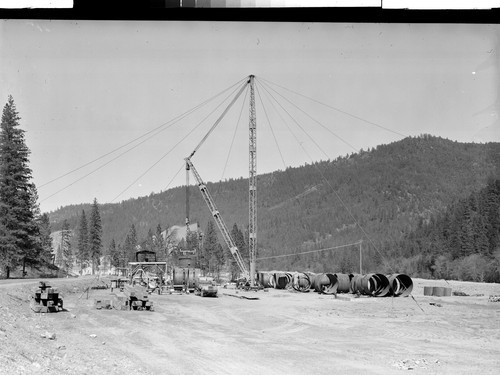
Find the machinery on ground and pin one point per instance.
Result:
(147, 271)
(205, 286)
(46, 299)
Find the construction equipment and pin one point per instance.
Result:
(146, 271)
(132, 298)
(46, 299)
(205, 286)
(248, 276)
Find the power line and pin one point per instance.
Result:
(311, 251)
(326, 180)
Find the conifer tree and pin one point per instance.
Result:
(159, 244)
(19, 232)
(82, 255)
(131, 246)
(114, 255)
(209, 246)
(95, 234)
(66, 261)
(45, 239)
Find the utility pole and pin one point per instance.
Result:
(360, 258)
(252, 182)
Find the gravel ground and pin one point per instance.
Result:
(280, 332)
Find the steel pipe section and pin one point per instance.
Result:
(372, 284)
(326, 283)
(282, 280)
(400, 284)
(344, 282)
(301, 282)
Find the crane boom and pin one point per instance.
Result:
(218, 219)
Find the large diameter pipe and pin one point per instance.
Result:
(282, 280)
(400, 284)
(344, 282)
(326, 283)
(375, 284)
(301, 282)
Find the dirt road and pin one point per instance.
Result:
(280, 333)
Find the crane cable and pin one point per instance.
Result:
(328, 182)
(172, 121)
(231, 146)
(218, 120)
(338, 110)
(172, 148)
(323, 126)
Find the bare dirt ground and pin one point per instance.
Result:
(282, 332)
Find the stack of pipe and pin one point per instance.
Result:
(372, 284)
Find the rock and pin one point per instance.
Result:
(93, 336)
(61, 347)
(73, 316)
(48, 335)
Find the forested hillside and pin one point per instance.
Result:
(389, 192)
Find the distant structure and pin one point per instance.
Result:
(175, 234)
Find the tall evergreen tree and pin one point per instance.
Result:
(209, 247)
(66, 251)
(45, 239)
(82, 254)
(19, 232)
(159, 244)
(95, 235)
(114, 255)
(131, 246)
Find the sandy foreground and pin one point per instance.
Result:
(282, 332)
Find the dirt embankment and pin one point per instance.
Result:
(281, 332)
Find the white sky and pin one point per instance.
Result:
(84, 88)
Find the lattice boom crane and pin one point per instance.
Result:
(218, 219)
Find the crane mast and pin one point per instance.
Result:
(252, 185)
(252, 190)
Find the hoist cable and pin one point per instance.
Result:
(329, 184)
(126, 151)
(307, 114)
(338, 110)
(172, 148)
(155, 131)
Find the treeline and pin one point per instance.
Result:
(461, 243)
(389, 191)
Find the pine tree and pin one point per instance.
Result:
(209, 246)
(19, 232)
(114, 255)
(95, 235)
(66, 261)
(82, 255)
(45, 239)
(131, 246)
(159, 244)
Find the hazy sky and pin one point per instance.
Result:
(85, 88)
